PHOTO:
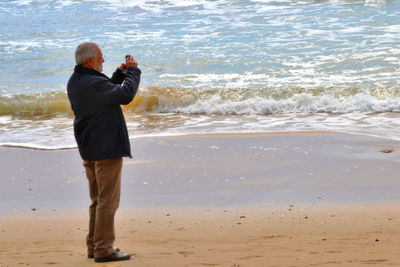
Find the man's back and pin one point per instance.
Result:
(99, 125)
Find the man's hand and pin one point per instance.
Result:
(130, 62)
(122, 67)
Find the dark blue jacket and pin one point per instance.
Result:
(99, 125)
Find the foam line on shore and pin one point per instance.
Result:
(41, 147)
(237, 134)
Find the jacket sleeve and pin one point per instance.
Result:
(118, 76)
(110, 93)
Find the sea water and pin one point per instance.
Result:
(208, 66)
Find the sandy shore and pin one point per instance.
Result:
(300, 199)
(294, 235)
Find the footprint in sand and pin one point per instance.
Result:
(250, 257)
(333, 251)
(373, 261)
(186, 253)
(325, 263)
(206, 264)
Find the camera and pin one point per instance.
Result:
(125, 70)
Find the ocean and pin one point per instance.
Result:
(208, 66)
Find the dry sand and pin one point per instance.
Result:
(260, 236)
(216, 200)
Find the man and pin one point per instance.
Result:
(102, 138)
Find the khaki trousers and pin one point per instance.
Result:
(104, 178)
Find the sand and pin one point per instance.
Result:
(303, 199)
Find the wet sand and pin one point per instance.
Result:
(300, 199)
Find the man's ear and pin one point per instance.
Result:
(89, 63)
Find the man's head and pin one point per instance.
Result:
(89, 55)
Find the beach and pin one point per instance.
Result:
(262, 199)
(264, 133)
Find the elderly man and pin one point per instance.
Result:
(102, 138)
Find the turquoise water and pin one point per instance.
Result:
(212, 66)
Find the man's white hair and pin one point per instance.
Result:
(85, 51)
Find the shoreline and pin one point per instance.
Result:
(174, 136)
(238, 134)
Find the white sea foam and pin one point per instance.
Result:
(383, 125)
(392, 29)
(271, 1)
(21, 46)
(64, 3)
(299, 103)
(352, 29)
(375, 2)
(264, 9)
(22, 2)
(305, 75)
(225, 80)
(12, 47)
(38, 146)
(157, 7)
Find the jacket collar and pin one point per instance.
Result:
(82, 69)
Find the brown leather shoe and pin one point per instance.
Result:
(91, 255)
(115, 256)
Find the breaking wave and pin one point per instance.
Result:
(222, 101)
